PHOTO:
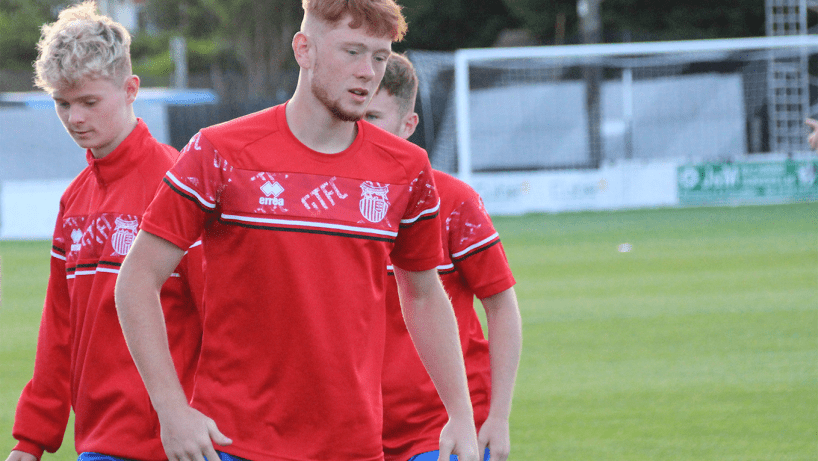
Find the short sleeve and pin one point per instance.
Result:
(417, 246)
(189, 195)
(475, 248)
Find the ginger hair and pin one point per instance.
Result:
(379, 17)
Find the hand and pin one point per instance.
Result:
(494, 434)
(458, 438)
(17, 455)
(188, 435)
(813, 137)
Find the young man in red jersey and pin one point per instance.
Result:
(474, 264)
(82, 360)
(299, 205)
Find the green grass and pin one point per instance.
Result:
(701, 343)
(23, 278)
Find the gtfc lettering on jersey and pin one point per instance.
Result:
(325, 191)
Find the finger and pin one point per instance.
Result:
(499, 454)
(210, 453)
(481, 447)
(469, 454)
(445, 452)
(812, 123)
(441, 456)
(216, 435)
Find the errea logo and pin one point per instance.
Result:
(272, 188)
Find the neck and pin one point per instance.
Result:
(103, 151)
(315, 126)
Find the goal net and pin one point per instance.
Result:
(579, 106)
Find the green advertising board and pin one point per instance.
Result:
(748, 182)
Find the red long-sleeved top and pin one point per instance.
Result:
(82, 360)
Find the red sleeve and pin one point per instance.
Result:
(44, 405)
(189, 194)
(475, 248)
(417, 246)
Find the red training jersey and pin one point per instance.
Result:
(295, 242)
(474, 265)
(82, 360)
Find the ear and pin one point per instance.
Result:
(131, 88)
(302, 44)
(410, 122)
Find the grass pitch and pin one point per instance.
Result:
(699, 343)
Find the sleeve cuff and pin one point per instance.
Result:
(30, 448)
(494, 288)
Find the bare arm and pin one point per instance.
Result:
(186, 433)
(432, 325)
(505, 344)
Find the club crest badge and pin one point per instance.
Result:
(374, 201)
(124, 234)
(76, 239)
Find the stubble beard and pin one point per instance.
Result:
(320, 93)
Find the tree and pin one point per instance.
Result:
(648, 19)
(262, 33)
(453, 24)
(20, 23)
(258, 33)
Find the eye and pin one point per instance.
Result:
(370, 116)
(91, 102)
(62, 104)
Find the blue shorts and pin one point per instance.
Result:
(433, 455)
(91, 456)
(228, 457)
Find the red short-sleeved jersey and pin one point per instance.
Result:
(474, 265)
(295, 242)
(82, 359)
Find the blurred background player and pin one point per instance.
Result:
(813, 137)
(474, 264)
(82, 360)
(300, 206)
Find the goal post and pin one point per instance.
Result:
(523, 109)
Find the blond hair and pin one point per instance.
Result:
(401, 81)
(379, 17)
(79, 46)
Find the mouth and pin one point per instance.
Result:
(360, 93)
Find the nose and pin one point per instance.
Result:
(366, 69)
(76, 115)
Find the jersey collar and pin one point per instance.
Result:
(122, 159)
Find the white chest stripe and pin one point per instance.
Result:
(102, 269)
(442, 267)
(308, 224)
